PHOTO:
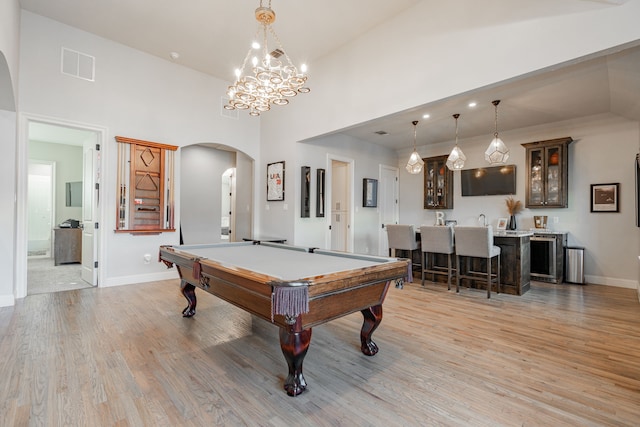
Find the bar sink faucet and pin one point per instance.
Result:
(484, 219)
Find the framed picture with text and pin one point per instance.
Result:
(275, 182)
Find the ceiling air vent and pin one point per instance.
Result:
(381, 132)
(277, 53)
(78, 64)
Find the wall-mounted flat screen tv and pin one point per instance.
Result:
(491, 181)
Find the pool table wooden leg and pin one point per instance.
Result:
(189, 292)
(372, 318)
(294, 346)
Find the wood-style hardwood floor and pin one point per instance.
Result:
(561, 355)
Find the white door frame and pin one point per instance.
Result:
(20, 290)
(327, 189)
(383, 244)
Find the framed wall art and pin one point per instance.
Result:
(305, 189)
(320, 193)
(604, 197)
(275, 181)
(369, 193)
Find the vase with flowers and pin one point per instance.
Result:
(513, 206)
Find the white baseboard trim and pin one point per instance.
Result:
(7, 300)
(609, 281)
(140, 278)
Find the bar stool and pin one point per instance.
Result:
(477, 242)
(402, 237)
(437, 239)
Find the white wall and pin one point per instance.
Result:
(9, 38)
(367, 158)
(9, 49)
(424, 60)
(421, 57)
(135, 95)
(68, 160)
(201, 192)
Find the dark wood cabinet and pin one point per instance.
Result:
(515, 256)
(438, 183)
(547, 173)
(67, 245)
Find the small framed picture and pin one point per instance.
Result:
(369, 193)
(604, 197)
(502, 223)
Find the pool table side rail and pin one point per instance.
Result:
(330, 296)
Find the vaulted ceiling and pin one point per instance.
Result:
(213, 36)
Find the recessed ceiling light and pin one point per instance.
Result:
(426, 116)
(472, 104)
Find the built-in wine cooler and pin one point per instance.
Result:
(547, 256)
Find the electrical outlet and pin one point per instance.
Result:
(147, 258)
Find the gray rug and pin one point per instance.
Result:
(44, 277)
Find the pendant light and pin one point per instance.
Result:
(415, 163)
(497, 153)
(456, 159)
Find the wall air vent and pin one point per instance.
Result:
(78, 64)
(230, 114)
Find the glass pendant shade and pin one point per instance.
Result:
(497, 152)
(456, 159)
(415, 163)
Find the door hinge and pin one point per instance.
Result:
(329, 227)
(97, 186)
(95, 264)
(97, 147)
(95, 226)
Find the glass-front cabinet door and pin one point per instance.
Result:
(547, 173)
(438, 183)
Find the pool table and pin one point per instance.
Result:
(293, 287)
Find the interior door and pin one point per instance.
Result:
(90, 203)
(339, 207)
(388, 202)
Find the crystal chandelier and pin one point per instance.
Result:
(415, 163)
(456, 159)
(272, 79)
(497, 151)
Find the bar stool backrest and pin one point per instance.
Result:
(437, 239)
(401, 237)
(474, 241)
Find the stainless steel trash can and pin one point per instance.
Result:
(574, 264)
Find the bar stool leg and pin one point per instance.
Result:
(488, 277)
(448, 272)
(457, 274)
